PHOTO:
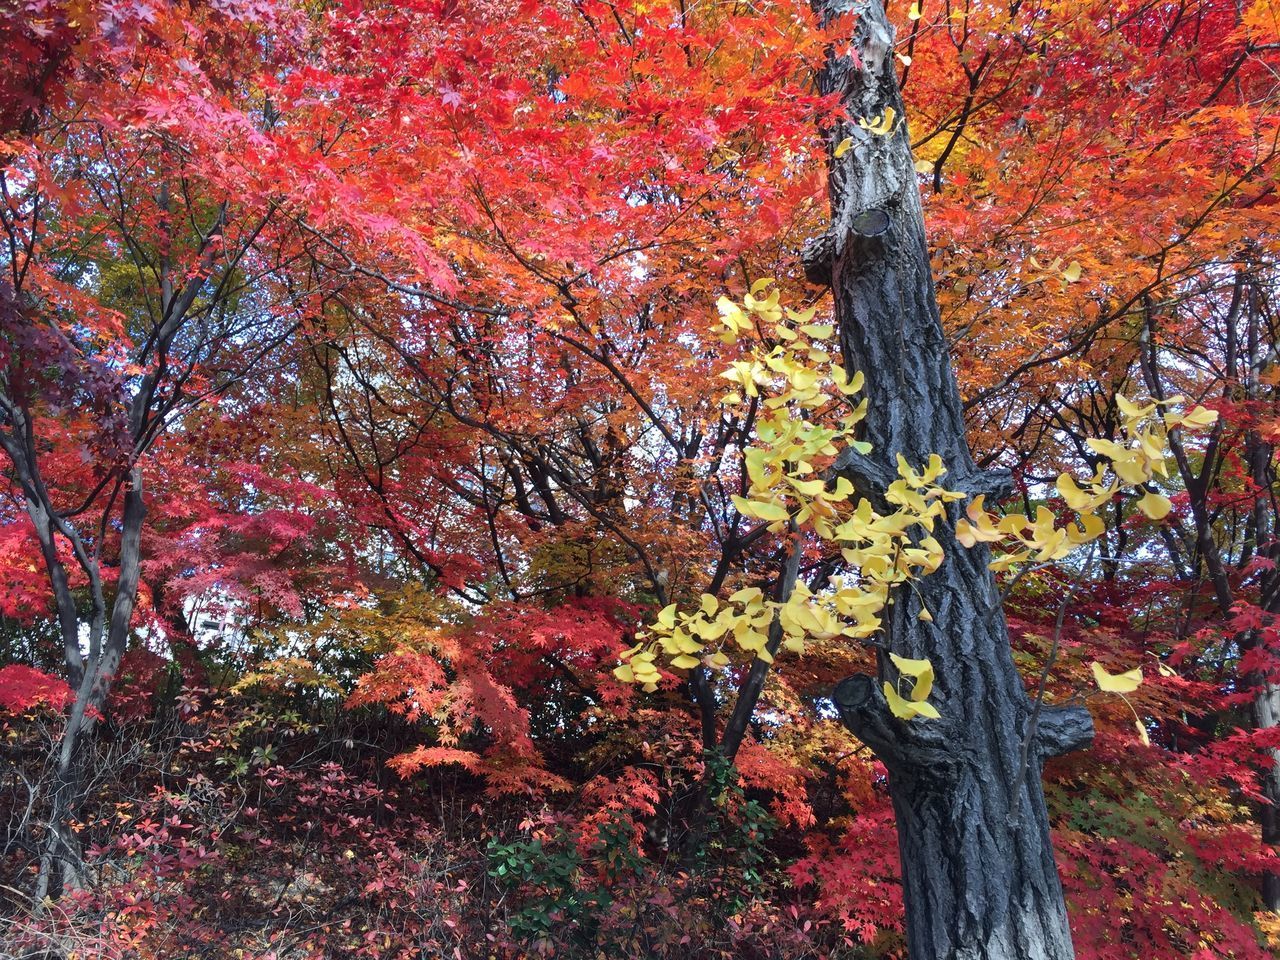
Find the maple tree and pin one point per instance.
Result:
(446, 534)
(128, 300)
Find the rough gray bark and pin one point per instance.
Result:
(978, 870)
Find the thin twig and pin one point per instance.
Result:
(1024, 752)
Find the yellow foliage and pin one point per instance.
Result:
(1135, 464)
(807, 414)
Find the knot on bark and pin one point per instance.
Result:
(855, 238)
(817, 257)
(1063, 729)
(925, 751)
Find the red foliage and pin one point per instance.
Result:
(22, 688)
(856, 878)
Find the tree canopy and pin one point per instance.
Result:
(456, 453)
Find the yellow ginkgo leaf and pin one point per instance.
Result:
(1126, 682)
(1134, 412)
(911, 667)
(818, 331)
(843, 147)
(1154, 505)
(1045, 537)
(1072, 271)
(771, 512)
(809, 488)
(1077, 499)
(1132, 469)
(1091, 529)
(1142, 733)
(1109, 449)
(914, 12)
(646, 672)
(882, 124)
(1004, 561)
(908, 709)
(1199, 418)
(980, 527)
(846, 384)
(1151, 443)
(924, 167)
(921, 671)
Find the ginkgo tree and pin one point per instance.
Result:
(978, 868)
(797, 487)
(875, 257)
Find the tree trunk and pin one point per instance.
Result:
(61, 864)
(1267, 716)
(1260, 456)
(977, 861)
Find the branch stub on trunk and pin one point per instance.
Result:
(1063, 729)
(921, 749)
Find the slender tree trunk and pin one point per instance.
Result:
(977, 861)
(720, 752)
(61, 864)
(1266, 706)
(60, 857)
(1260, 456)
